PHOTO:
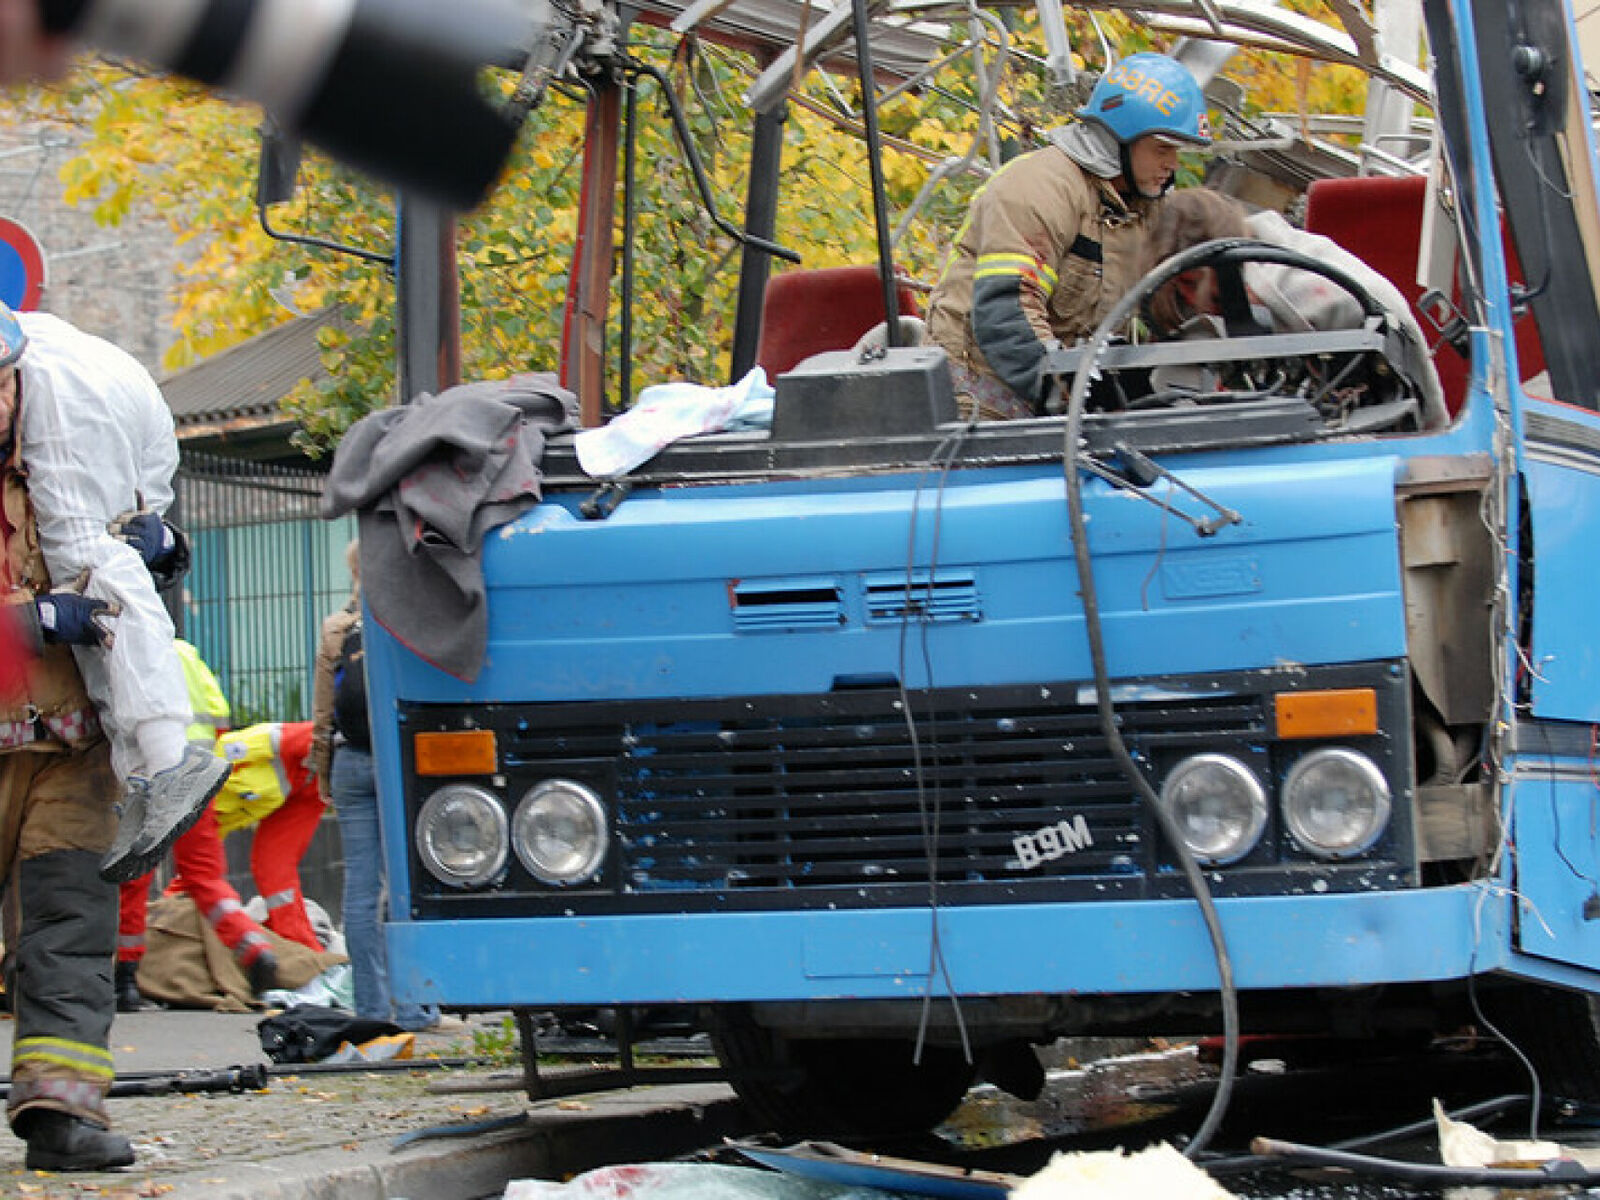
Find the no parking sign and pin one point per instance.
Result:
(21, 266)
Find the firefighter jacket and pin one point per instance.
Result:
(270, 762)
(53, 710)
(57, 806)
(1045, 252)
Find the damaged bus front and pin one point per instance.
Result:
(1243, 689)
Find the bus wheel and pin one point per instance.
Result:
(1558, 1030)
(837, 1087)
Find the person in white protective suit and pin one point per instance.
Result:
(1294, 300)
(97, 442)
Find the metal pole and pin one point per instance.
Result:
(880, 200)
(429, 307)
(630, 195)
(761, 220)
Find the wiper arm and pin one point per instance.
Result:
(1136, 471)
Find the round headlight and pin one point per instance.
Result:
(461, 836)
(559, 832)
(1335, 802)
(1219, 805)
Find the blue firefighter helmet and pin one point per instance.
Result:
(1149, 94)
(12, 339)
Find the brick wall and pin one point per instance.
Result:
(111, 281)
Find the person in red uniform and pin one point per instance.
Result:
(272, 787)
(201, 868)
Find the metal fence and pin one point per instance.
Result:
(266, 571)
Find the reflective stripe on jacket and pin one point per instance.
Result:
(210, 706)
(269, 763)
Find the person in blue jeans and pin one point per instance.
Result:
(355, 800)
(341, 755)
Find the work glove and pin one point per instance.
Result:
(162, 545)
(67, 615)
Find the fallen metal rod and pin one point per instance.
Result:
(356, 1066)
(1557, 1172)
(1470, 1112)
(251, 1077)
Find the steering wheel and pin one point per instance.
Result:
(1228, 257)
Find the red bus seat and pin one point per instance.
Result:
(1379, 219)
(805, 312)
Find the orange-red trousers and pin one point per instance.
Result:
(280, 842)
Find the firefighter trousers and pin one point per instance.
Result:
(56, 821)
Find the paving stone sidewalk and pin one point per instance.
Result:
(320, 1135)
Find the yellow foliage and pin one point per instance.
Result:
(158, 146)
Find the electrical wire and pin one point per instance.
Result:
(943, 457)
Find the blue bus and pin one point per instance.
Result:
(899, 745)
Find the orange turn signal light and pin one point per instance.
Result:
(1336, 712)
(467, 752)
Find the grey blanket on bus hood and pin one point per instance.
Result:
(428, 480)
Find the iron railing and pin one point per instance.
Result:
(267, 569)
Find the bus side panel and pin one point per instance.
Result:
(1563, 476)
(1111, 947)
(1557, 859)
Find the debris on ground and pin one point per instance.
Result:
(686, 1181)
(1465, 1145)
(1158, 1170)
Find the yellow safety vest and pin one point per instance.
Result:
(258, 785)
(211, 711)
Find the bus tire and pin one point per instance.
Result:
(837, 1087)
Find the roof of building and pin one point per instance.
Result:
(240, 388)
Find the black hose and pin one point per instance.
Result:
(1470, 1112)
(1087, 364)
(1561, 1172)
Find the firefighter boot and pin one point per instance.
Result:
(129, 999)
(59, 1141)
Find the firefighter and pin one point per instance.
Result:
(1053, 241)
(57, 790)
(201, 866)
(96, 440)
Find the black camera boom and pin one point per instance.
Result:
(388, 86)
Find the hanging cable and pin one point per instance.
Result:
(943, 456)
(1088, 366)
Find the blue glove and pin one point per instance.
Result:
(163, 546)
(147, 533)
(78, 620)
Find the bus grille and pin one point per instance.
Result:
(845, 791)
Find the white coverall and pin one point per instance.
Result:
(97, 439)
(1301, 301)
